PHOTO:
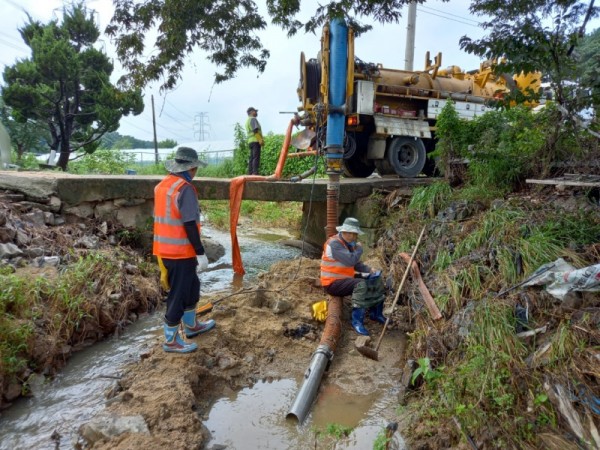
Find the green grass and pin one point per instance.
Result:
(285, 215)
(55, 306)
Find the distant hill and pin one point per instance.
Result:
(115, 140)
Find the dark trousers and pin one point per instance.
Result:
(185, 288)
(342, 287)
(254, 161)
(364, 293)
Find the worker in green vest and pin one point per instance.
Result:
(255, 140)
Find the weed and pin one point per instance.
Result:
(382, 441)
(425, 370)
(338, 431)
(429, 200)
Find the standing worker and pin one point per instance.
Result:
(342, 274)
(178, 246)
(255, 140)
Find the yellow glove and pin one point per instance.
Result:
(319, 311)
(164, 280)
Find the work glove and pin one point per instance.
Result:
(164, 279)
(319, 311)
(202, 263)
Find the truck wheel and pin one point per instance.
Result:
(407, 156)
(357, 167)
(356, 164)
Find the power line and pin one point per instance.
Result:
(449, 14)
(448, 18)
(177, 109)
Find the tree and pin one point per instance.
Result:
(66, 84)
(167, 143)
(28, 136)
(589, 65)
(225, 29)
(534, 35)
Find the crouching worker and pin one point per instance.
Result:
(177, 244)
(343, 274)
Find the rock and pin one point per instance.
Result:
(49, 218)
(55, 204)
(36, 217)
(131, 269)
(23, 238)
(362, 341)
(90, 242)
(7, 233)
(34, 252)
(214, 250)
(108, 426)
(12, 392)
(9, 250)
(281, 306)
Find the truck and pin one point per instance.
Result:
(391, 113)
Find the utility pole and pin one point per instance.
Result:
(201, 126)
(409, 52)
(154, 127)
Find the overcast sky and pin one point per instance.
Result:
(179, 112)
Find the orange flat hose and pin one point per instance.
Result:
(236, 192)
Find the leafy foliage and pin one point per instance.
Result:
(227, 30)
(107, 162)
(66, 84)
(114, 140)
(269, 158)
(29, 136)
(539, 35)
(503, 147)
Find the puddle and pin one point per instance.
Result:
(255, 418)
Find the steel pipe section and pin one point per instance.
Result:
(319, 362)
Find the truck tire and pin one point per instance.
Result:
(407, 156)
(356, 164)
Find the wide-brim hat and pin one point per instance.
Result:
(350, 225)
(186, 158)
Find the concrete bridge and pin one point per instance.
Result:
(128, 199)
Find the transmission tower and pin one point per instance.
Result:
(201, 126)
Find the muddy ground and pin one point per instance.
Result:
(265, 333)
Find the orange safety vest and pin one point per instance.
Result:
(332, 269)
(170, 238)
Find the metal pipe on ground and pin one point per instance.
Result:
(319, 362)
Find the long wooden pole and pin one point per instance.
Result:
(412, 257)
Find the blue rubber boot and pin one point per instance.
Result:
(376, 313)
(358, 318)
(174, 343)
(192, 326)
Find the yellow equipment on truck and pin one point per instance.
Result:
(391, 114)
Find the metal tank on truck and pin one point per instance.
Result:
(391, 114)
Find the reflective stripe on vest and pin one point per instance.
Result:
(332, 269)
(170, 238)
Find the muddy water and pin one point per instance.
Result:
(59, 406)
(235, 423)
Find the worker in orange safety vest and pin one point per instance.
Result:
(178, 246)
(342, 274)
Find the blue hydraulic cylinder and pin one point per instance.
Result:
(338, 62)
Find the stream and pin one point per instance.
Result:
(50, 418)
